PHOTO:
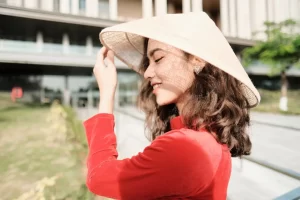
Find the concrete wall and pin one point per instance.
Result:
(91, 8)
(46, 5)
(14, 2)
(30, 3)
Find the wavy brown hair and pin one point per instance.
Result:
(215, 102)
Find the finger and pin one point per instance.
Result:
(110, 59)
(101, 56)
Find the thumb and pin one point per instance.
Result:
(110, 58)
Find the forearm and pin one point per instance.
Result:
(106, 105)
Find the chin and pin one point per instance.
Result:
(164, 101)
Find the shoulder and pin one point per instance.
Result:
(201, 140)
(186, 152)
(193, 147)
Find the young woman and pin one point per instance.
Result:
(196, 96)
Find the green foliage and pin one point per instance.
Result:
(42, 154)
(280, 50)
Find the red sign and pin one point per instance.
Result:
(16, 93)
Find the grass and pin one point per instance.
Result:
(270, 102)
(38, 143)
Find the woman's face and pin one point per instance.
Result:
(169, 72)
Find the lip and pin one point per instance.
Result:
(154, 83)
(156, 89)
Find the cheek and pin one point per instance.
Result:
(174, 85)
(177, 80)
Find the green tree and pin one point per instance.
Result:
(279, 51)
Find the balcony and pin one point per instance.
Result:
(37, 53)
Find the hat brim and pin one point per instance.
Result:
(127, 42)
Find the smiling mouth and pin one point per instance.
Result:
(156, 86)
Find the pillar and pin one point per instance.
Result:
(30, 3)
(91, 8)
(224, 17)
(39, 41)
(197, 5)
(90, 98)
(75, 7)
(281, 10)
(75, 100)
(160, 7)
(66, 43)
(294, 12)
(89, 46)
(14, 2)
(186, 6)
(147, 8)
(46, 5)
(42, 94)
(113, 9)
(66, 97)
(243, 19)
(64, 6)
(258, 15)
(232, 18)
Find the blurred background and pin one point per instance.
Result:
(47, 52)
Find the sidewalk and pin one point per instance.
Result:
(286, 121)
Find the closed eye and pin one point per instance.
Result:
(158, 59)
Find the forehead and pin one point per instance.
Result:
(154, 44)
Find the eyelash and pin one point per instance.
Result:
(158, 59)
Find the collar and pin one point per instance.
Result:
(176, 123)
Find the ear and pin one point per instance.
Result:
(196, 61)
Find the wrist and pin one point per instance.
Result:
(106, 105)
(107, 95)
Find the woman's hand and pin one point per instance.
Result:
(106, 76)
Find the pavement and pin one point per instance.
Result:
(275, 140)
(277, 120)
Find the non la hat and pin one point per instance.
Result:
(195, 33)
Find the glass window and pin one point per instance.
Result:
(70, 4)
(128, 88)
(3, 2)
(103, 8)
(81, 6)
(56, 5)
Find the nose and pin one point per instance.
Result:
(149, 73)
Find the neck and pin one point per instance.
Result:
(179, 104)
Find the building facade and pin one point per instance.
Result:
(48, 47)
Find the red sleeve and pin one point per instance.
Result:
(172, 165)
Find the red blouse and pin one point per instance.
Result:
(180, 164)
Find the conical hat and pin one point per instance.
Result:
(194, 33)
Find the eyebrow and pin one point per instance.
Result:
(154, 50)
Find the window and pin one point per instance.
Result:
(103, 8)
(56, 5)
(70, 6)
(82, 6)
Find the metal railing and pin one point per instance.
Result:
(51, 48)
